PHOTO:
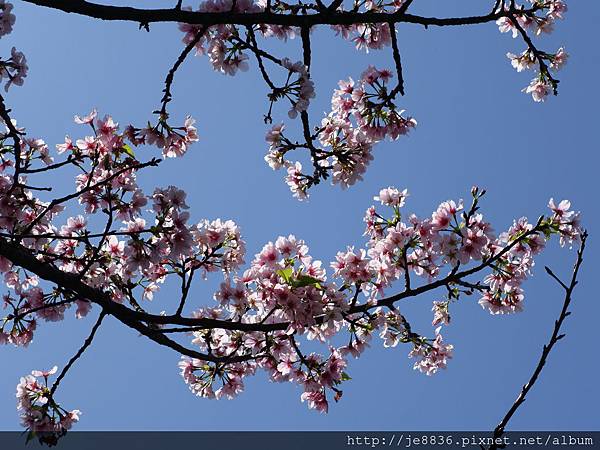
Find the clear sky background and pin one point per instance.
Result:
(475, 127)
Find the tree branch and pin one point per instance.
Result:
(169, 79)
(554, 338)
(21, 256)
(15, 135)
(80, 352)
(146, 16)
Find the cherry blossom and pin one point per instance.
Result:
(431, 356)
(7, 18)
(284, 284)
(539, 19)
(14, 69)
(539, 89)
(42, 417)
(110, 245)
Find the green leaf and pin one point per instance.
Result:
(345, 376)
(286, 274)
(127, 149)
(306, 280)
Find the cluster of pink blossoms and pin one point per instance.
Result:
(284, 292)
(362, 115)
(40, 415)
(136, 253)
(225, 49)
(505, 294)
(7, 18)
(543, 83)
(222, 43)
(284, 285)
(299, 90)
(223, 54)
(431, 356)
(173, 141)
(14, 69)
(370, 36)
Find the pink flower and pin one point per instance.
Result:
(14, 69)
(392, 197)
(559, 59)
(297, 181)
(562, 209)
(7, 18)
(539, 89)
(505, 25)
(434, 357)
(89, 119)
(83, 308)
(45, 374)
(440, 314)
(524, 61)
(316, 400)
(557, 9)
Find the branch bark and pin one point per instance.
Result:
(554, 338)
(328, 17)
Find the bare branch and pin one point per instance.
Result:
(15, 135)
(80, 352)
(554, 338)
(398, 63)
(146, 16)
(167, 97)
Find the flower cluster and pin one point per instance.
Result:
(43, 418)
(119, 261)
(363, 114)
(505, 294)
(283, 296)
(540, 19)
(369, 36)
(14, 69)
(366, 36)
(174, 141)
(285, 286)
(431, 356)
(300, 90)
(220, 43)
(7, 18)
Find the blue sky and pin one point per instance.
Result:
(475, 127)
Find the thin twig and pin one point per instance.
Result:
(167, 97)
(554, 338)
(80, 352)
(396, 52)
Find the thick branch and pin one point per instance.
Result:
(22, 257)
(146, 16)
